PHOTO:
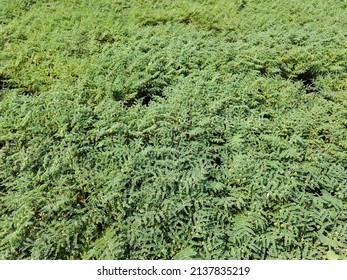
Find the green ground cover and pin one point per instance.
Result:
(168, 129)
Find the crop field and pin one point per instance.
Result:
(173, 129)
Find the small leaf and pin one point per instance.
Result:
(186, 254)
(331, 255)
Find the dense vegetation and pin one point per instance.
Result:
(143, 129)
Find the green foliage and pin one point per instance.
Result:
(173, 129)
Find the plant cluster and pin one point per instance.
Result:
(178, 129)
